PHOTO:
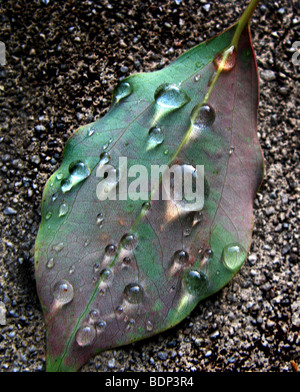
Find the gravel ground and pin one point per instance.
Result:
(63, 59)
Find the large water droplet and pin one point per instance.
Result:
(63, 292)
(195, 282)
(129, 241)
(134, 293)
(233, 256)
(78, 172)
(63, 209)
(123, 90)
(170, 96)
(85, 335)
(230, 55)
(205, 116)
(181, 257)
(156, 137)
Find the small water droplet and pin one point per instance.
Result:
(100, 220)
(86, 242)
(146, 206)
(72, 269)
(48, 215)
(54, 197)
(119, 310)
(110, 249)
(230, 61)
(131, 323)
(77, 173)
(149, 326)
(231, 150)
(197, 78)
(63, 209)
(156, 137)
(94, 315)
(166, 152)
(85, 335)
(206, 256)
(50, 263)
(63, 292)
(134, 293)
(106, 274)
(58, 247)
(59, 176)
(90, 132)
(101, 325)
(187, 231)
(96, 267)
(127, 260)
(123, 90)
(198, 216)
(233, 256)
(129, 241)
(181, 257)
(170, 96)
(205, 116)
(195, 282)
(102, 292)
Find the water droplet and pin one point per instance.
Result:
(134, 293)
(110, 249)
(195, 282)
(156, 137)
(78, 172)
(59, 176)
(96, 267)
(100, 220)
(206, 256)
(104, 158)
(72, 269)
(197, 78)
(54, 197)
(131, 323)
(169, 96)
(127, 260)
(85, 335)
(50, 263)
(58, 247)
(63, 292)
(63, 209)
(181, 257)
(101, 325)
(90, 132)
(129, 241)
(94, 315)
(123, 90)
(86, 242)
(48, 215)
(149, 326)
(198, 216)
(187, 231)
(233, 256)
(230, 61)
(231, 150)
(106, 274)
(146, 206)
(205, 116)
(166, 152)
(102, 292)
(119, 310)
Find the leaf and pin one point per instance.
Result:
(112, 272)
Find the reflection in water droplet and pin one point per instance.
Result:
(85, 335)
(106, 274)
(230, 62)
(63, 209)
(63, 292)
(170, 97)
(50, 263)
(129, 241)
(123, 90)
(78, 172)
(156, 137)
(233, 256)
(195, 282)
(181, 257)
(134, 293)
(101, 325)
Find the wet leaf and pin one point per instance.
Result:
(110, 272)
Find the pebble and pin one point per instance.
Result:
(40, 128)
(9, 211)
(270, 211)
(111, 363)
(268, 75)
(162, 355)
(206, 7)
(124, 69)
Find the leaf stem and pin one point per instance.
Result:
(243, 21)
